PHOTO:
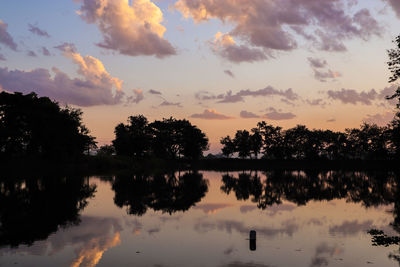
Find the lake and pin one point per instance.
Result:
(201, 218)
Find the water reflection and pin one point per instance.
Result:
(370, 189)
(174, 219)
(165, 192)
(33, 208)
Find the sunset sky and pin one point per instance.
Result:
(222, 64)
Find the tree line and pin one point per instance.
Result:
(272, 142)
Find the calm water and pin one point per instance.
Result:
(200, 219)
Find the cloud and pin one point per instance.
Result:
(321, 71)
(331, 120)
(380, 119)
(229, 73)
(395, 5)
(136, 98)
(276, 115)
(248, 115)
(5, 38)
(225, 46)
(30, 53)
(45, 51)
(350, 96)
(229, 97)
(323, 76)
(167, 103)
(132, 30)
(154, 92)
(212, 208)
(36, 30)
(317, 62)
(274, 25)
(348, 228)
(96, 87)
(2, 57)
(211, 114)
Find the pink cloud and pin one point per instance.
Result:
(230, 97)
(95, 87)
(350, 96)
(395, 5)
(36, 30)
(262, 25)
(5, 38)
(276, 115)
(167, 103)
(45, 51)
(211, 114)
(321, 71)
(136, 98)
(229, 73)
(132, 30)
(248, 115)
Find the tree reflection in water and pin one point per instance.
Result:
(165, 192)
(33, 208)
(371, 189)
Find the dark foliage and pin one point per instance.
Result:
(166, 139)
(32, 126)
(369, 142)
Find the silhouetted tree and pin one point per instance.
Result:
(256, 142)
(36, 126)
(132, 139)
(273, 140)
(242, 143)
(172, 138)
(295, 141)
(228, 147)
(167, 139)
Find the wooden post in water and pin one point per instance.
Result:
(253, 244)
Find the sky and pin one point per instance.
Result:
(222, 64)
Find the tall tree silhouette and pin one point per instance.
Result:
(228, 147)
(167, 139)
(132, 139)
(36, 126)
